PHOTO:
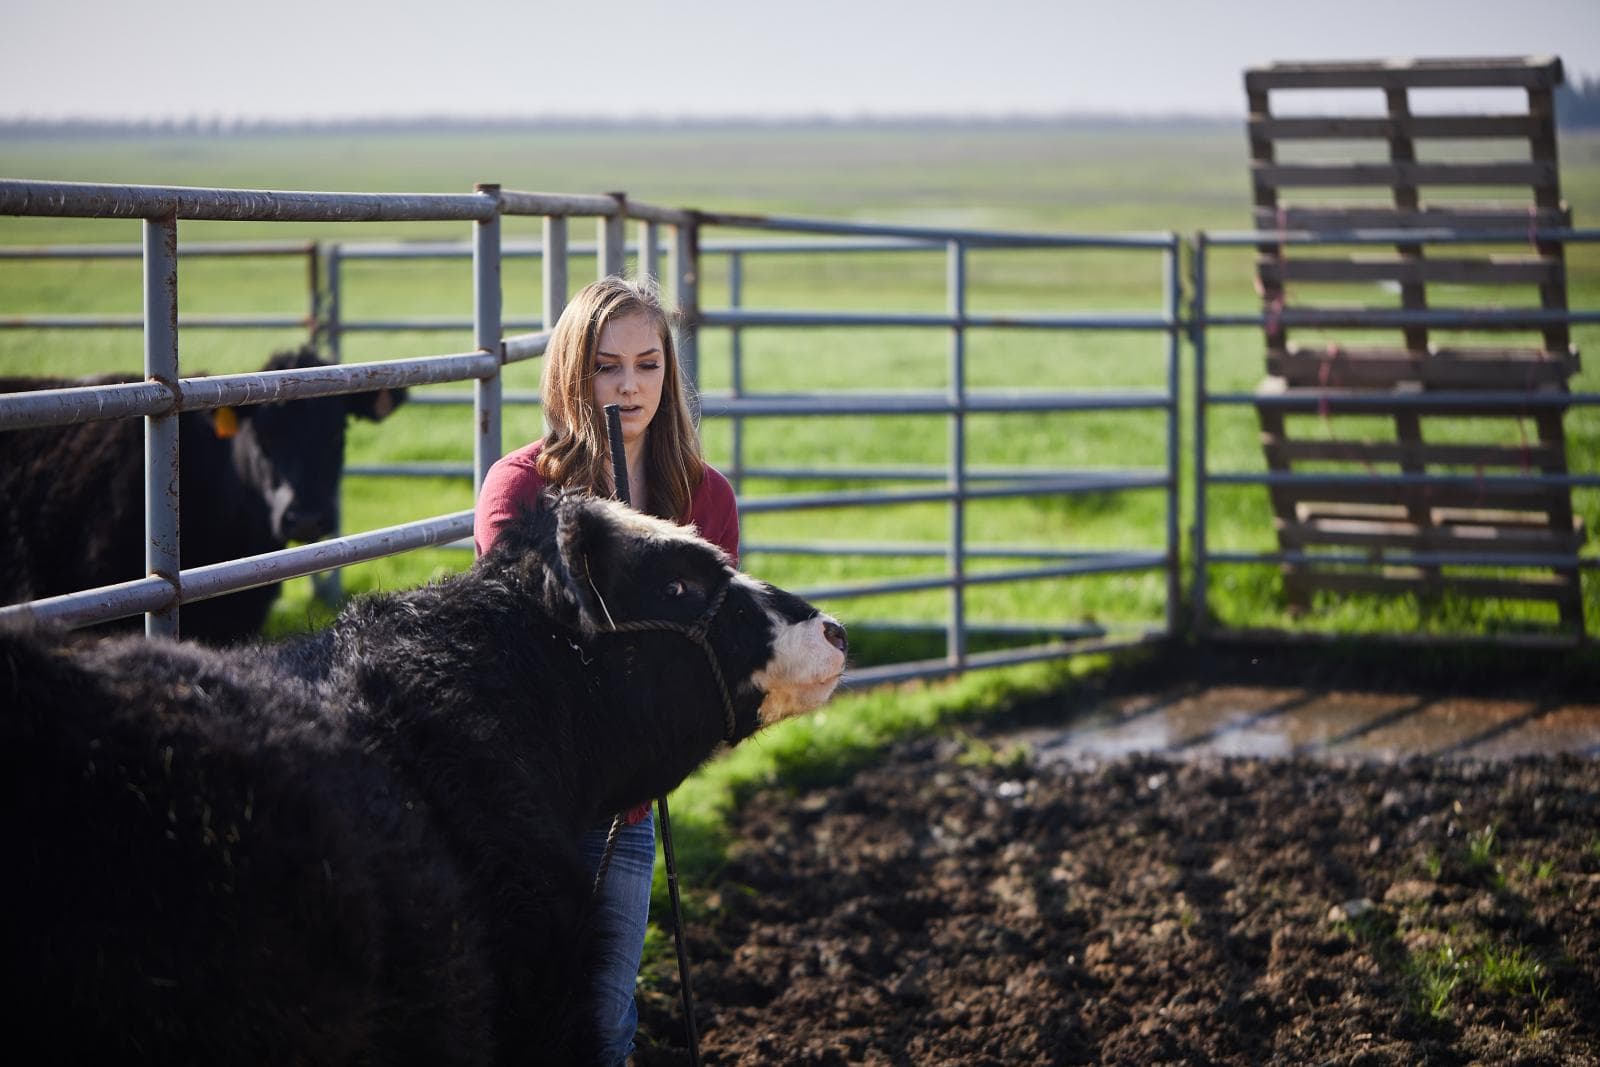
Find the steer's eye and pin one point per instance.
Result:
(676, 588)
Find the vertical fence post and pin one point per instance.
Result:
(1171, 261)
(1197, 339)
(553, 284)
(736, 356)
(649, 265)
(330, 306)
(326, 586)
(161, 501)
(486, 336)
(686, 276)
(956, 274)
(613, 239)
(314, 292)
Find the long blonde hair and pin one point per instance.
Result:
(576, 451)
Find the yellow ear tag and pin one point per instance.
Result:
(226, 422)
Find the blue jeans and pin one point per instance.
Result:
(622, 910)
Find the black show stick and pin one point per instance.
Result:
(619, 475)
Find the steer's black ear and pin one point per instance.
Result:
(585, 535)
(376, 405)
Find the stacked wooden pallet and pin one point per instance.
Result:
(1343, 352)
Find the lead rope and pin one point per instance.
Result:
(619, 476)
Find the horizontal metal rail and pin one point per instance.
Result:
(1062, 486)
(914, 549)
(814, 319)
(1110, 563)
(193, 321)
(191, 250)
(371, 250)
(202, 583)
(889, 674)
(99, 200)
(93, 403)
(714, 405)
(83, 200)
(970, 238)
(432, 324)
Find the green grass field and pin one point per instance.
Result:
(1083, 179)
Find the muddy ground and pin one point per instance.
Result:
(966, 901)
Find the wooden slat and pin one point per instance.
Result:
(1445, 368)
(1530, 497)
(1336, 450)
(1554, 587)
(1302, 175)
(1497, 319)
(1454, 270)
(1345, 128)
(1440, 516)
(1307, 400)
(1480, 217)
(1368, 533)
(1525, 72)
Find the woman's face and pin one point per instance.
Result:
(630, 368)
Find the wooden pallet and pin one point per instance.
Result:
(1309, 288)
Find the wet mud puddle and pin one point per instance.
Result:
(1269, 721)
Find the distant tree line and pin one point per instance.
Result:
(1578, 104)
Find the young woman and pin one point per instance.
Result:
(613, 345)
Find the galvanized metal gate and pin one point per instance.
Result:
(165, 393)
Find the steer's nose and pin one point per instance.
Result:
(835, 635)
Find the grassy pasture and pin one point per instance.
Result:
(1085, 179)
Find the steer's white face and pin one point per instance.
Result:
(806, 665)
(806, 658)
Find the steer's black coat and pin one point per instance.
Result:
(72, 498)
(358, 848)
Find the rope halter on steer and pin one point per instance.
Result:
(695, 632)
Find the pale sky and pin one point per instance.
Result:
(322, 59)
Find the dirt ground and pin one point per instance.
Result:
(967, 900)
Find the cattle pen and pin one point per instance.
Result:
(1179, 318)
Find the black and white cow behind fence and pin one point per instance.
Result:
(252, 479)
(360, 847)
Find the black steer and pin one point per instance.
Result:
(251, 481)
(361, 847)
